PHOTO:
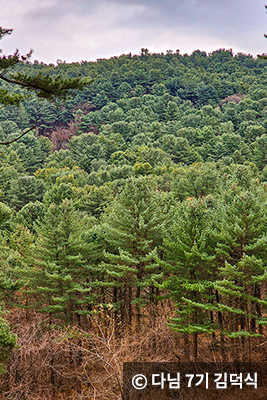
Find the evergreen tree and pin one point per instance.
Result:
(25, 189)
(133, 228)
(8, 340)
(241, 256)
(58, 278)
(190, 264)
(259, 148)
(197, 180)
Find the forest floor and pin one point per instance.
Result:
(86, 363)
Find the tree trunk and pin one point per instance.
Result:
(186, 347)
(220, 319)
(258, 307)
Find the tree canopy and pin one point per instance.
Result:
(141, 198)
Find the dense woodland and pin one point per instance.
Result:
(133, 221)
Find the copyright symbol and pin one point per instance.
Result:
(139, 381)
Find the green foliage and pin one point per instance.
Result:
(85, 148)
(149, 184)
(5, 213)
(60, 271)
(24, 190)
(133, 230)
(8, 342)
(197, 180)
(191, 259)
(30, 214)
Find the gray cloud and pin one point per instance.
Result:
(75, 30)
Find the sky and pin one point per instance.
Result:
(85, 30)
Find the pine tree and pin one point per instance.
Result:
(197, 180)
(58, 278)
(190, 264)
(132, 227)
(217, 254)
(8, 340)
(241, 256)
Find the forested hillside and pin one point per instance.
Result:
(133, 221)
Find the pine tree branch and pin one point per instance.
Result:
(27, 85)
(46, 86)
(14, 140)
(4, 31)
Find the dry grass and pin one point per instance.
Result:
(53, 363)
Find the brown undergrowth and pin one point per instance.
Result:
(53, 362)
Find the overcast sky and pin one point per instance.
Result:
(76, 30)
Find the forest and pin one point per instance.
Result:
(133, 223)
